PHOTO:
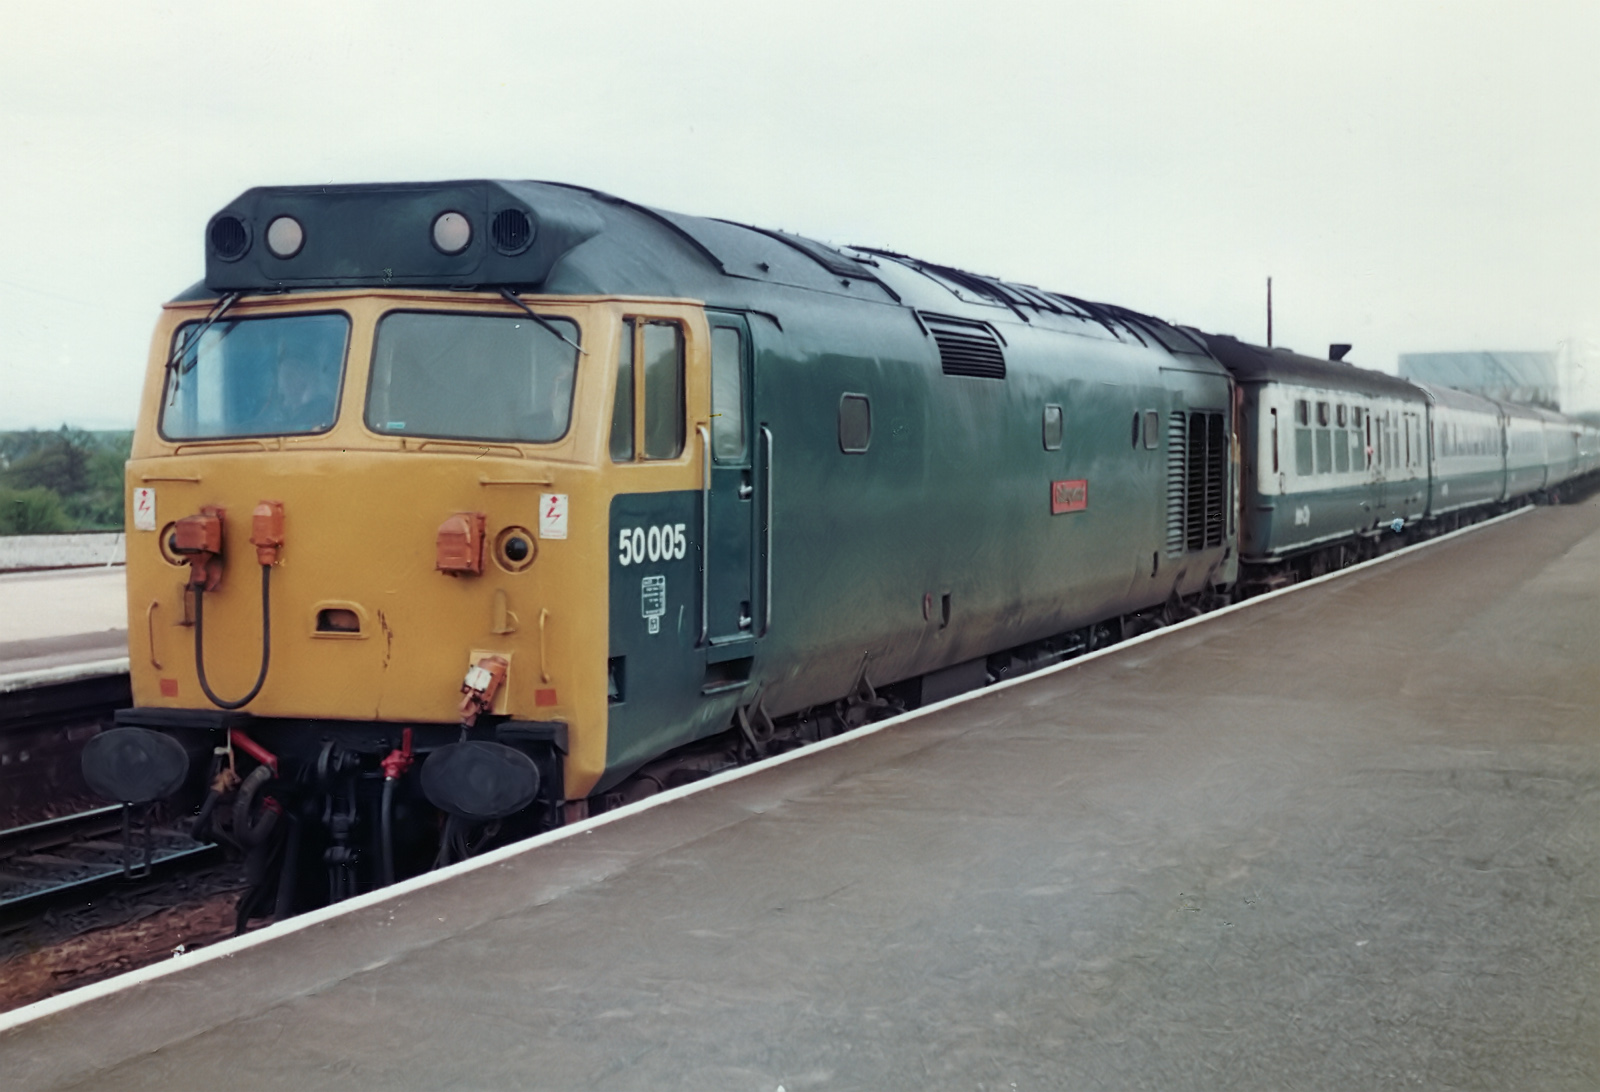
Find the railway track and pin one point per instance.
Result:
(45, 858)
(55, 858)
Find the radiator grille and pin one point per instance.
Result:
(1216, 479)
(967, 348)
(1177, 449)
(1197, 480)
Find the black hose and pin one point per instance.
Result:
(447, 841)
(266, 643)
(290, 870)
(259, 865)
(248, 832)
(386, 823)
(201, 827)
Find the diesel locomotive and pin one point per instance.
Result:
(459, 510)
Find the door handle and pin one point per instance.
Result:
(705, 532)
(766, 530)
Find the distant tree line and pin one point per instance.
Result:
(67, 480)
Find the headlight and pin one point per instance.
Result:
(285, 237)
(451, 232)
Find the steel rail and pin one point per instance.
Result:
(45, 860)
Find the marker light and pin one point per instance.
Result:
(451, 232)
(285, 237)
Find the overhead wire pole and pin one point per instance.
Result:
(1269, 312)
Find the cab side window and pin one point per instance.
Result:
(622, 406)
(650, 357)
(662, 350)
(727, 396)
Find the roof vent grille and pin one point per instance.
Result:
(229, 238)
(967, 347)
(511, 231)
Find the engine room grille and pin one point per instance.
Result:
(966, 347)
(1197, 478)
(1177, 449)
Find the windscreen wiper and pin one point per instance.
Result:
(181, 350)
(546, 323)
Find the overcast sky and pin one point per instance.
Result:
(1414, 176)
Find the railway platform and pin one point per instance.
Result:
(1346, 836)
(56, 621)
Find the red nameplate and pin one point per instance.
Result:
(1068, 497)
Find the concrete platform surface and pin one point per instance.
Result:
(20, 552)
(1348, 837)
(61, 617)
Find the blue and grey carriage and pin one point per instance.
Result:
(1333, 458)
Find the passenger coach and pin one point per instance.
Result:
(1333, 456)
(1468, 460)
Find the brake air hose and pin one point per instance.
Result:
(266, 643)
(247, 831)
(386, 825)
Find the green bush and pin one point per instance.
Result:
(67, 480)
(35, 511)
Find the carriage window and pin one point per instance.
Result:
(1152, 429)
(274, 376)
(622, 405)
(1322, 414)
(1341, 415)
(1053, 428)
(1302, 450)
(475, 377)
(1341, 450)
(1302, 415)
(1324, 451)
(727, 395)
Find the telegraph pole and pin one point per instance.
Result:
(1269, 312)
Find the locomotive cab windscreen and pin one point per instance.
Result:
(255, 377)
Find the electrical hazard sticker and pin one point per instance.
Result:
(144, 509)
(653, 601)
(552, 515)
(1070, 496)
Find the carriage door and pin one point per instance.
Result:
(730, 502)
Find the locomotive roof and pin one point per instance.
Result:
(1257, 363)
(561, 239)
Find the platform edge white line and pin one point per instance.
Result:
(49, 676)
